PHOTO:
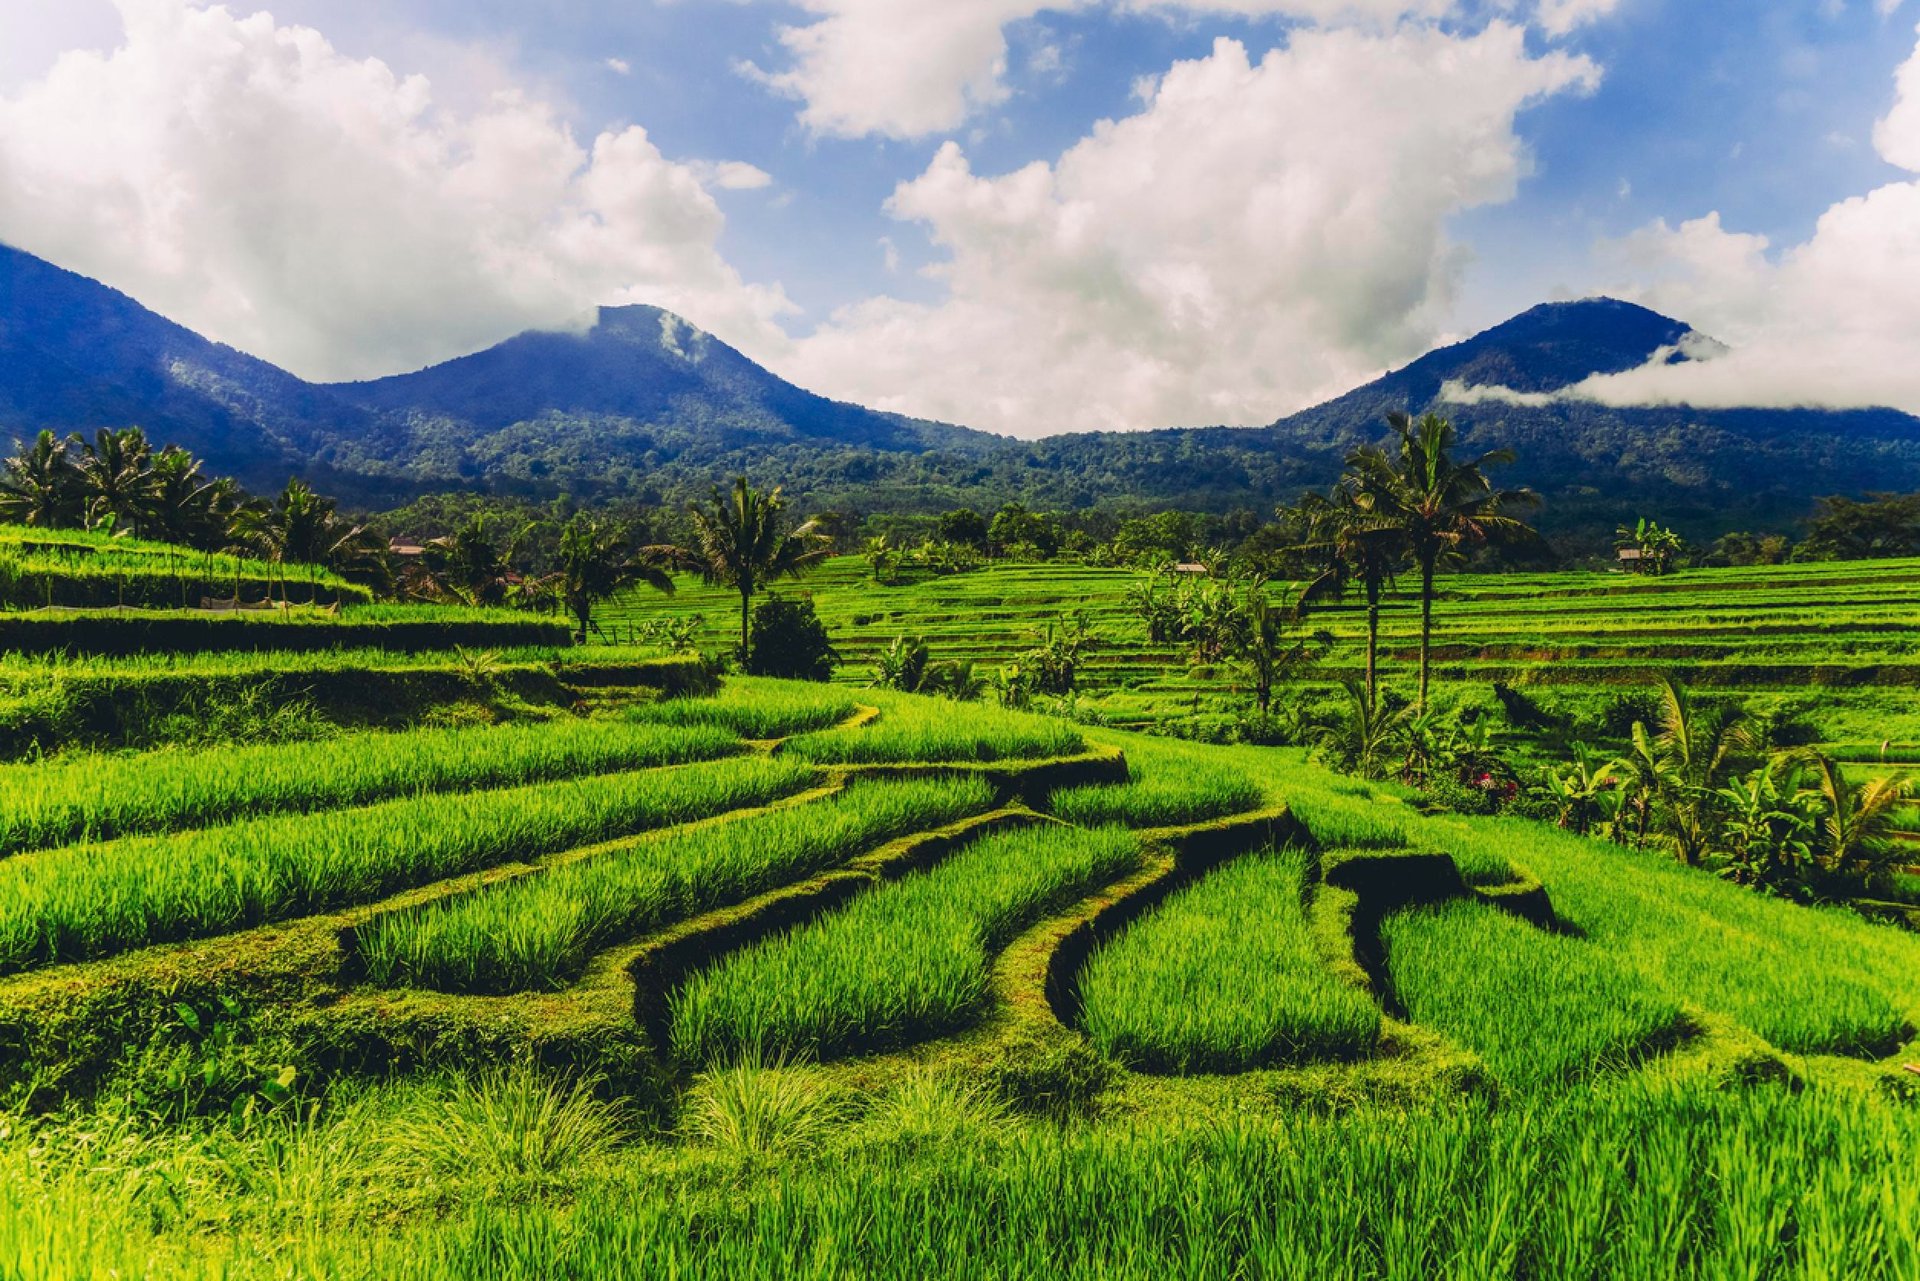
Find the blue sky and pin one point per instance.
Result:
(884, 233)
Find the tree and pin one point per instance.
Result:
(964, 525)
(1356, 547)
(39, 485)
(595, 560)
(1854, 825)
(742, 541)
(789, 641)
(1657, 548)
(179, 502)
(1365, 739)
(469, 562)
(1441, 505)
(1682, 763)
(116, 478)
(1271, 645)
(302, 527)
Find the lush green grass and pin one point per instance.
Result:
(1538, 1007)
(923, 729)
(102, 797)
(1224, 977)
(755, 708)
(1169, 785)
(1625, 1184)
(899, 964)
(541, 930)
(83, 901)
(1808, 980)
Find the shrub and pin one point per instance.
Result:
(788, 640)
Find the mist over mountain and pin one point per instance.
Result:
(639, 403)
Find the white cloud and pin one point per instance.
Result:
(913, 68)
(253, 183)
(1559, 17)
(1831, 321)
(1224, 255)
(619, 66)
(731, 175)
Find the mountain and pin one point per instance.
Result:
(640, 404)
(76, 355)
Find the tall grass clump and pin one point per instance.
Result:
(1166, 788)
(1809, 980)
(102, 797)
(1538, 1007)
(79, 902)
(903, 962)
(752, 707)
(540, 931)
(1224, 977)
(926, 729)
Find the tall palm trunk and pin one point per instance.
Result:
(1426, 624)
(746, 598)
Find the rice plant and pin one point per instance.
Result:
(540, 931)
(1169, 785)
(83, 901)
(1809, 980)
(926, 729)
(906, 961)
(1538, 1007)
(752, 707)
(1224, 977)
(102, 797)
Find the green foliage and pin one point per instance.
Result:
(1164, 789)
(922, 730)
(540, 931)
(901, 963)
(1537, 1007)
(787, 640)
(1225, 977)
(102, 797)
(84, 901)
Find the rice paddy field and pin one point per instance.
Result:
(573, 964)
(1847, 632)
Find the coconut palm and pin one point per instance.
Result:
(301, 527)
(116, 477)
(39, 485)
(742, 541)
(1357, 547)
(1366, 739)
(1854, 823)
(595, 560)
(1683, 762)
(1271, 644)
(1441, 505)
(178, 508)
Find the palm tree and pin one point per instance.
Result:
(1683, 763)
(594, 561)
(1366, 739)
(178, 498)
(302, 527)
(469, 564)
(39, 485)
(1358, 547)
(1854, 827)
(1270, 644)
(1441, 505)
(116, 477)
(742, 542)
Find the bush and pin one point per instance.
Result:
(787, 639)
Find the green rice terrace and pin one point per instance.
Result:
(580, 963)
(1842, 632)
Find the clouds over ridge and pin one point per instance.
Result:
(250, 181)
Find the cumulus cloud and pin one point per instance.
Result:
(1223, 255)
(1559, 17)
(1827, 322)
(254, 183)
(911, 68)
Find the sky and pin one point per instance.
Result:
(1021, 216)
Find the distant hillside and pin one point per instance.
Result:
(642, 404)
